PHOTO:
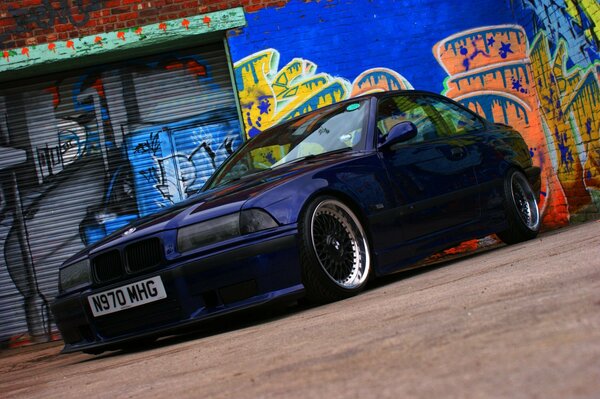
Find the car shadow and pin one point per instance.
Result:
(276, 311)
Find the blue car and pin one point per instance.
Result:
(315, 206)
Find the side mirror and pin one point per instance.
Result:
(401, 132)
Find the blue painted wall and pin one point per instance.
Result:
(345, 38)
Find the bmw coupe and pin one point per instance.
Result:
(315, 206)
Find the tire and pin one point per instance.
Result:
(334, 251)
(521, 208)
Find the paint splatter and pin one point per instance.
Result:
(505, 49)
(264, 106)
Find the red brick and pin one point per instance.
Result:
(253, 8)
(108, 20)
(78, 18)
(63, 27)
(120, 10)
(7, 22)
(170, 8)
(39, 32)
(128, 16)
(95, 14)
(150, 12)
(28, 3)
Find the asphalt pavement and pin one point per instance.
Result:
(519, 321)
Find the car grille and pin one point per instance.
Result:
(143, 255)
(108, 266)
(136, 257)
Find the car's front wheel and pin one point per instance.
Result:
(334, 251)
(521, 207)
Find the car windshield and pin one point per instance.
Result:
(332, 129)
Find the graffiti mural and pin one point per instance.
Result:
(81, 156)
(541, 78)
(269, 95)
(49, 13)
(494, 71)
(575, 22)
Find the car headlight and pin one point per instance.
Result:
(223, 228)
(75, 275)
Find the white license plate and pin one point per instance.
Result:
(127, 296)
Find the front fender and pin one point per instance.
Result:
(362, 180)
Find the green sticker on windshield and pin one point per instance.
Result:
(353, 107)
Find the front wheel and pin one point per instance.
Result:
(334, 251)
(521, 208)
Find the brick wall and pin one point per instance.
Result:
(31, 22)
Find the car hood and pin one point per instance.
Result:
(216, 202)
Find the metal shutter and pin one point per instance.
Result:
(84, 153)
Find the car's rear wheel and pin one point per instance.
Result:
(334, 251)
(521, 207)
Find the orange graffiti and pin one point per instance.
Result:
(490, 73)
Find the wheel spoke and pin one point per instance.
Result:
(525, 202)
(340, 244)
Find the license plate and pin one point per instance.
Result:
(127, 296)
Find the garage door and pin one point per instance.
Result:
(83, 154)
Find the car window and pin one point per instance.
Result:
(458, 120)
(331, 129)
(416, 109)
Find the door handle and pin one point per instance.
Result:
(457, 152)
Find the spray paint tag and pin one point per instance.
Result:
(353, 107)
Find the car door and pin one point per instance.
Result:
(492, 146)
(432, 174)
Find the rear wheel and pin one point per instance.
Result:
(334, 251)
(521, 207)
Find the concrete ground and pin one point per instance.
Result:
(518, 321)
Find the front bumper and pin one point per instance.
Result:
(197, 290)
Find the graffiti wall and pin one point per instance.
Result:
(530, 64)
(269, 94)
(83, 154)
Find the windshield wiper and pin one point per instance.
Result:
(234, 179)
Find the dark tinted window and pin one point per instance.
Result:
(458, 119)
(416, 109)
(433, 116)
(331, 129)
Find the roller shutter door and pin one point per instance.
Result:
(84, 153)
